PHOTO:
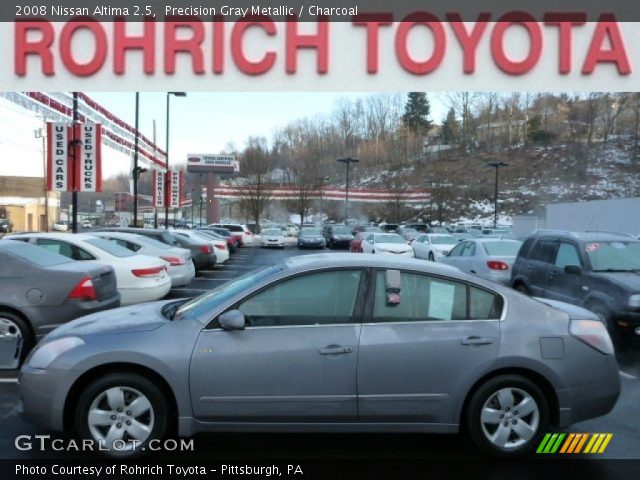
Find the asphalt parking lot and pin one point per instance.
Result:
(623, 422)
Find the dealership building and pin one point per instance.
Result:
(27, 204)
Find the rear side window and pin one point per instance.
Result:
(544, 251)
(525, 250)
(110, 247)
(425, 298)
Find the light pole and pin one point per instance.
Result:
(322, 183)
(136, 169)
(167, 186)
(347, 161)
(497, 166)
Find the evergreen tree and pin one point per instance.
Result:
(416, 113)
(450, 128)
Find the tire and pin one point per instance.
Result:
(522, 288)
(515, 434)
(15, 329)
(432, 258)
(152, 423)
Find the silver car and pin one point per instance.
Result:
(319, 343)
(490, 258)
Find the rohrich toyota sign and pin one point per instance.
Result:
(512, 51)
(209, 163)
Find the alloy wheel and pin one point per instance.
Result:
(121, 414)
(510, 418)
(10, 333)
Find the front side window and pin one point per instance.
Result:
(567, 255)
(457, 250)
(469, 249)
(323, 298)
(424, 298)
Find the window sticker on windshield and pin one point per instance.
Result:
(618, 245)
(592, 247)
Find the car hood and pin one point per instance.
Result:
(311, 237)
(398, 247)
(136, 318)
(627, 280)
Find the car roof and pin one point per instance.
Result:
(492, 239)
(82, 237)
(587, 236)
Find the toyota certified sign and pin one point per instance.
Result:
(209, 163)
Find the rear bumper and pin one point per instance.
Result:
(587, 401)
(498, 277)
(132, 296)
(181, 275)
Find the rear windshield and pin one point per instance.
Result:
(310, 231)
(389, 239)
(234, 228)
(32, 254)
(110, 247)
(508, 249)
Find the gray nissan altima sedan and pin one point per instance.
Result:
(327, 343)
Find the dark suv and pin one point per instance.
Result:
(599, 271)
(337, 235)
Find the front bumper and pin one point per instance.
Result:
(408, 254)
(627, 321)
(42, 396)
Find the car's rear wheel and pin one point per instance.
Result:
(522, 288)
(122, 412)
(507, 416)
(15, 337)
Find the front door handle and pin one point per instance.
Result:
(477, 341)
(335, 350)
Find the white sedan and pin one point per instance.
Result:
(272, 237)
(219, 246)
(178, 260)
(386, 243)
(140, 278)
(433, 246)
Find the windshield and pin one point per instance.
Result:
(508, 249)
(110, 247)
(444, 240)
(614, 256)
(342, 230)
(388, 239)
(310, 231)
(34, 255)
(210, 300)
(273, 232)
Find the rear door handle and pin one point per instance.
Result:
(477, 341)
(337, 350)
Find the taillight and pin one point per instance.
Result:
(593, 333)
(173, 261)
(148, 272)
(205, 249)
(497, 265)
(84, 290)
(221, 247)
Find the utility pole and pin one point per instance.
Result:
(347, 161)
(136, 170)
(497, 166)
(39, 133)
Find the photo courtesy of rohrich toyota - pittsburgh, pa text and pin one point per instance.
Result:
(349, 239)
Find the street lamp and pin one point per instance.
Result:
(347, 161)
(167, 186)
(497, 166)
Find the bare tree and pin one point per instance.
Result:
(613, 105)
(256, 186)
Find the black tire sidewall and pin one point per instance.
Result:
(480, 396)
(149, 389)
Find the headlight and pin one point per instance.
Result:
(634, 301)
(46, 354)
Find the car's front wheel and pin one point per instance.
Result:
(122, 413)
(507, 416)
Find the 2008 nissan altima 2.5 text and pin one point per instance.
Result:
(328, 343)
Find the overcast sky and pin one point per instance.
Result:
(200, 123)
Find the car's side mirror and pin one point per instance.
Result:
(573, 270)
(232, 320)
